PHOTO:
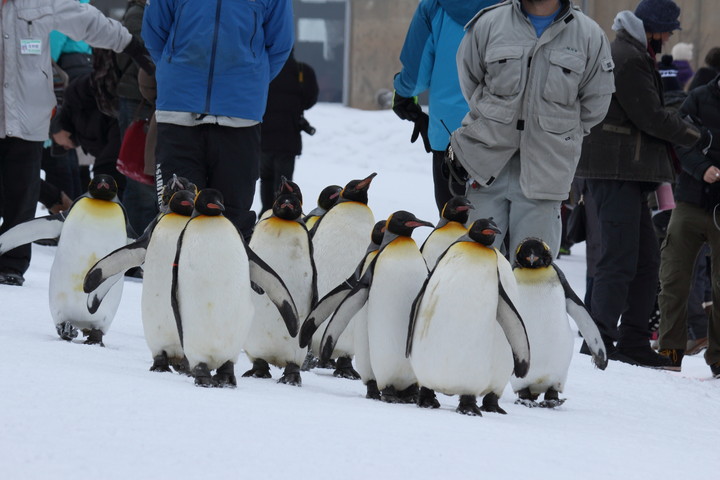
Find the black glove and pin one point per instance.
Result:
(453, 170)
(406, 108)
(137, 51)
(421, 129)
(706, 140)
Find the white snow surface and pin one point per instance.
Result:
(71, 411)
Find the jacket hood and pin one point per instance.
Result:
(462, 11)
(628, 21)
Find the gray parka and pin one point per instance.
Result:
(26, 90)
(536, 95)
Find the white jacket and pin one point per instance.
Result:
(26, 90)
(536, 95)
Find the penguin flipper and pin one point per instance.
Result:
(349, 306)
(512, 324)
(266, 278)
(117, 261)
(40, 228)
(324, 308)
(413, 317)
(97, 294)
(579, 313)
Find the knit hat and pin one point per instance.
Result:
(658, 16)
(668, 74)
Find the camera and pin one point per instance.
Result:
(305, 126)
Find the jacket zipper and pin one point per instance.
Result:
(212, 56)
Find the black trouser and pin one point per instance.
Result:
(19, 193)
(440, 181)
(273, 166)
(626, 279)
(212, 156)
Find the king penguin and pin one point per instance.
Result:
(546, 299)
(155, 250)
(283, 241)
(389, 286)
(288, 187)
(326, 200)
(339, 244)
(451, 226)
(466, 335)
(212, 277)
(95, 225)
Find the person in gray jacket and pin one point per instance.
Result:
(27, 100)
(537, 75)
(624, 159)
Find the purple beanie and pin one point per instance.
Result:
(658, 16)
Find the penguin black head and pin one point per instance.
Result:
(329, 197)
(288, 186)
(483, 231)
(378, 231)
(176, 184)
(356, 190)
(209, 202)
(533, 253)
(456, 210)
(103, 187)
(403, 223)
(182, 203)
(287, 206)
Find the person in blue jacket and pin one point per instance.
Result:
(215, 60)
(428, 60)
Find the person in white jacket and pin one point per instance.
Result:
(537, 75)
(27, 99)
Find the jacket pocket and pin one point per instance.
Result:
(564, 73)
(35, 22)
(504, 70)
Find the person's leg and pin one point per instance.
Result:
(618, 208)
(181, 151)
(20, 180)
(697, 317)
(492, 202)
(712, 354)
(234, 164)
(642, 290)
(267, 180)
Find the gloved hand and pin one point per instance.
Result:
(421, 129)
(452, 169)
(406, 108)
(137, 51)
(706, 140)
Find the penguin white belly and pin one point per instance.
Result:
(213, 292)
(284, 246)
(159, 325)
(399, 274)
(93, 229)
(439, 240)
(458, 345)
(542, 307)
(339, 244)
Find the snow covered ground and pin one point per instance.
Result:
(70, 411)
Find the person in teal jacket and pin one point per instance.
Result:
(215, 60)
(428, 60)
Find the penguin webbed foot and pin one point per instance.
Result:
(66, 331)
(181, 366)
(527, 398)
(260, 369)
(490, 404)
(225, 375)
(310, 362)
(372, 390)
(427, 398)
(94, 336)
(552, 399)
(160, 363)
(291, 375)
(468, 406)
(201, 372)
(390, 395)
(344, 369)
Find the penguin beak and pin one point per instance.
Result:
(463, 208)
(187, 203)
(532, 258)
(418, 223)
(216, 206)
(365, 183)
(103, 185)
(490, 231)
(335, 195)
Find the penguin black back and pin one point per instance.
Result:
(103, 187)
(484, 231)
(533, 253)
